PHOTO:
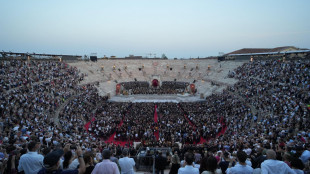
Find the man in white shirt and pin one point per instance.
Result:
(305, 156)
(271, 165)
(127, 164)
(241, 167)
(31, 162)
(106, 166)
(189, 168)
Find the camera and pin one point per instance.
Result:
(73, 147)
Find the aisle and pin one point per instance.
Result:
(156, 133)
(111, 139)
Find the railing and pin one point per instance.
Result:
(145, 158)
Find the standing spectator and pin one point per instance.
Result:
(297, 166)
(175, 163)
(189, 168)
(224, 162)
(126, 163)
(160, 163)
(68, 159)
(305, 156)
(31, 162)
(113, 158)
(271, 165)
(106, 166)
(197, 156)
(242, 167)
(89, 162)
(212, 166)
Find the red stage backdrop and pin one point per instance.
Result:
(155, 83)
(192, 86)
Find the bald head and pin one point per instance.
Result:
(271, 154)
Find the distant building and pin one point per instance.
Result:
(247, 53)
(133, 57)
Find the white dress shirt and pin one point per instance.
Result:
(271, 166)
(188, 169)
(31, 163)
(126, 165)
(106, 167)
(240, 169)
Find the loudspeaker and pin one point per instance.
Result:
(93, 58)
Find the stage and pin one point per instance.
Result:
(156, 98)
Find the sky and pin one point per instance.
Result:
(176, 28)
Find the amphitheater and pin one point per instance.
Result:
(109, 72)
(236, 104)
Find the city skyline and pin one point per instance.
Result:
(176, 28)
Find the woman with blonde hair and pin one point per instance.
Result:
(175, 163)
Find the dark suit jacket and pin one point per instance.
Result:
(160, 162)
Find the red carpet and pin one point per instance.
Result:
(111, 139)
(86, 126)
(190, 123)
(224, 127)
(202, 140)
(156, 133)
(155, 115)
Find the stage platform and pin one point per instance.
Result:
(156, 98)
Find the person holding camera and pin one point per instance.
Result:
(52, 163)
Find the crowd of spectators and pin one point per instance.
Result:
(266, 109)
(174, 126)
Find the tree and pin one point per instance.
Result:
(163, 56)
